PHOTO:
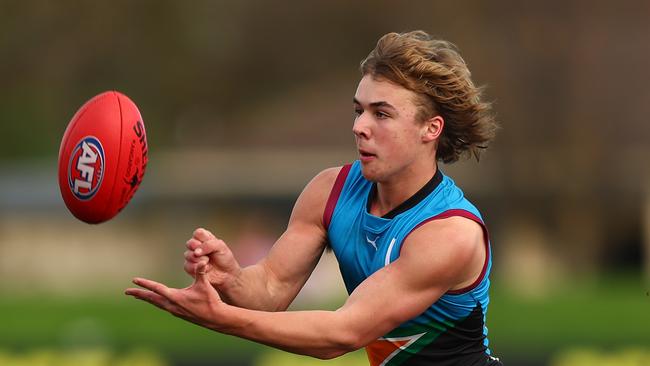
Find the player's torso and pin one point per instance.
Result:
(364, 243)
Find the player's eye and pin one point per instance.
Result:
(357, 112)
(381, 115)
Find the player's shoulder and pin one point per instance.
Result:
(312, 202)
(323, 182)
(328, 174)
(456, 237)
(449, 250)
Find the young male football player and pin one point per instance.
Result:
(413, 252)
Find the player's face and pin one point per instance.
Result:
(390, 140)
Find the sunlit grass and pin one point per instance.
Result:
(628, 356)
(602, 312)
(610, 312)
(276, 358)
(119, 323)
(81, 357)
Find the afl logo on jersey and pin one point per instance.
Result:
(86, 168)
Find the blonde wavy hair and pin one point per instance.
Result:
(436, 72)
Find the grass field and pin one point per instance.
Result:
(610, 313)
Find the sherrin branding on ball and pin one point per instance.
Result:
(103, 157)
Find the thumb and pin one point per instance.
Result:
(202, 284)
(201, 274)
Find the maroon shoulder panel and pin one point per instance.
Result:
(334, 195)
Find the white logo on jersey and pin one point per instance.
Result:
(390, 249)
(372, 242)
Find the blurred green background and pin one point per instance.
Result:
(245, 101)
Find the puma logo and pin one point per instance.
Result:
(372, 242)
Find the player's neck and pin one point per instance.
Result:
(394, 192)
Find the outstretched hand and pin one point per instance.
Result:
(199, 303)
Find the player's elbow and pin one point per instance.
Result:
(332, 353)
(343, 342)
(328, 355)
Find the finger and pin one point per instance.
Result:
(154, 286)
(202, 234)
(211, 246)
(201, 269)
(193, 244)
(190, 267)
(191, 257)
(150, 297)
(204, 261)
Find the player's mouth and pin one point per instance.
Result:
(366, 156)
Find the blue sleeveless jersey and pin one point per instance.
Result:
(452, 330)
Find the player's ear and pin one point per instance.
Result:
(432, 128)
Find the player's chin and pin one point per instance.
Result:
(370, 172)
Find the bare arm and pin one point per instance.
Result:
(274, 282)
(439, 256)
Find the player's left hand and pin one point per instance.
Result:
(199, 303)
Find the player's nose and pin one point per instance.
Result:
(361, 127)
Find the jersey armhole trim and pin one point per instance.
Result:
(334, 195)
(486, 240)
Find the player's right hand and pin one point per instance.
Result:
(204, 248)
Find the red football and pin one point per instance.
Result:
(103, 157)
